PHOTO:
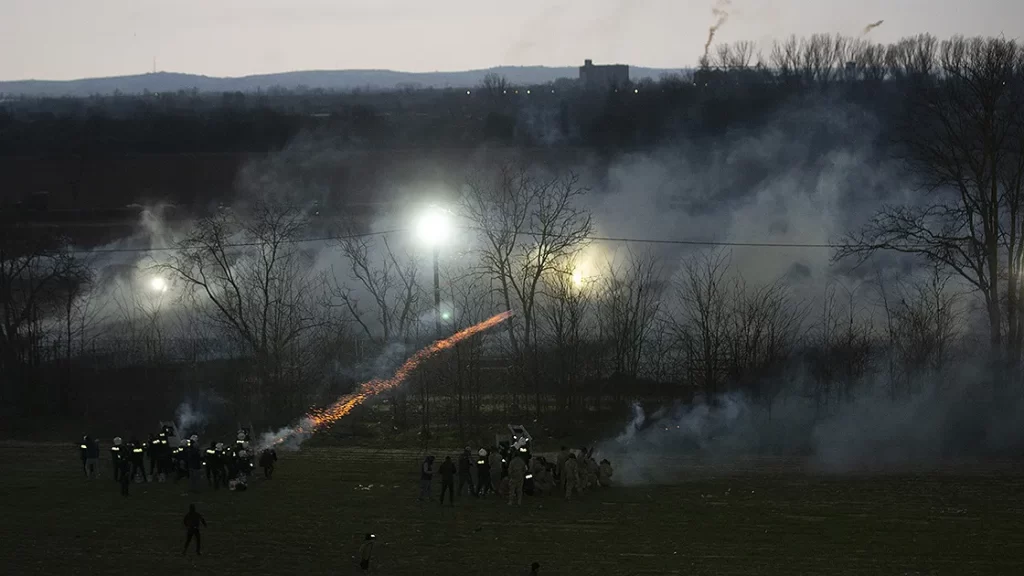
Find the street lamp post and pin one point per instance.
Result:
(437, 292)
(433, 228)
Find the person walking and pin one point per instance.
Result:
(365, 553)
(192, 521)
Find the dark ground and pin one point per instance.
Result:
(766, 517)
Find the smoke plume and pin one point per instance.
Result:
(871, 27)
(188, 421)
(721, 14)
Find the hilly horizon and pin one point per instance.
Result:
(338, 80)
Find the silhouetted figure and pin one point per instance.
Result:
(426, 476)
(534, 569)
(465, 477)
(192, 521)
(267, 459)
(447, 471)
(125, 474)
(92, 458)
(210, 461)
(136, 453)
(153, 450)
(116, 456)
(83, 451)
(365, 552)
(483, 474)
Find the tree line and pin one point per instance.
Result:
(251, 311)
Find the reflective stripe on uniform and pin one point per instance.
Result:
(83, 446)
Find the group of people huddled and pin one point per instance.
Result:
(511, 471)
(226, 465)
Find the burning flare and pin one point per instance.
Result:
(319, 418)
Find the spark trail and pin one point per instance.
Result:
(321, 417)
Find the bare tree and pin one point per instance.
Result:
(631, 298)
(565, 309)
(256, 286)
(36, 272)
(391, 284)
(702, 327)
(529, 223)
(962, 135)
(765, 330)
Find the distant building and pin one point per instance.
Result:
(603, 77)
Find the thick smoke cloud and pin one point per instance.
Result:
(949, 422)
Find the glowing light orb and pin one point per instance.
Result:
(433, 226)
(577, 278)
(445, 316)
(158, 284)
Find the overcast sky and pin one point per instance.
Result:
(63, 39)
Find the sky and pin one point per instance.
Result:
(66, 39)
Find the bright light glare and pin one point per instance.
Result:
(445, 316)
(158, 284)
(577, 277)
(433, 226)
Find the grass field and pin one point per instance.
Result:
(763, 518)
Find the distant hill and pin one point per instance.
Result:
(327, 79)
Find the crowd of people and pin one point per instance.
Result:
(511, 471)
(228, 466)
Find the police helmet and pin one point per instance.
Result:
(194, 438)
(117, 441)
(482, 452)
(220, 445)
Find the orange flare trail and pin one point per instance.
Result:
(343, 406)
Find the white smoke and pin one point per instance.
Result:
(288, 438)
(189, 421)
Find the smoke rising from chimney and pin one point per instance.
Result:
(721, 14)
(871, 27)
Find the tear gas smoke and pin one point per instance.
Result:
(947, 423)
(721, 14)
(188, 421)
(292, 437)
(871, 27)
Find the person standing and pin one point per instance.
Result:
(116, 456)
(447, 471)
(483, 474)
(195, 465)
(516, 477)
(365, 553)
(267, 459)
(83, 453)
(465, 476)
(569, 478)
(192, 521)
(92, 458)
(494, 462)
(125, 474)
(137, 453)
(426, 476)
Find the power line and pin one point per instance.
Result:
(620, 240)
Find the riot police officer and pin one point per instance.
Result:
(153, 448)
(211, 461)
(116, 455)
(83, 452)
(137, 453)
